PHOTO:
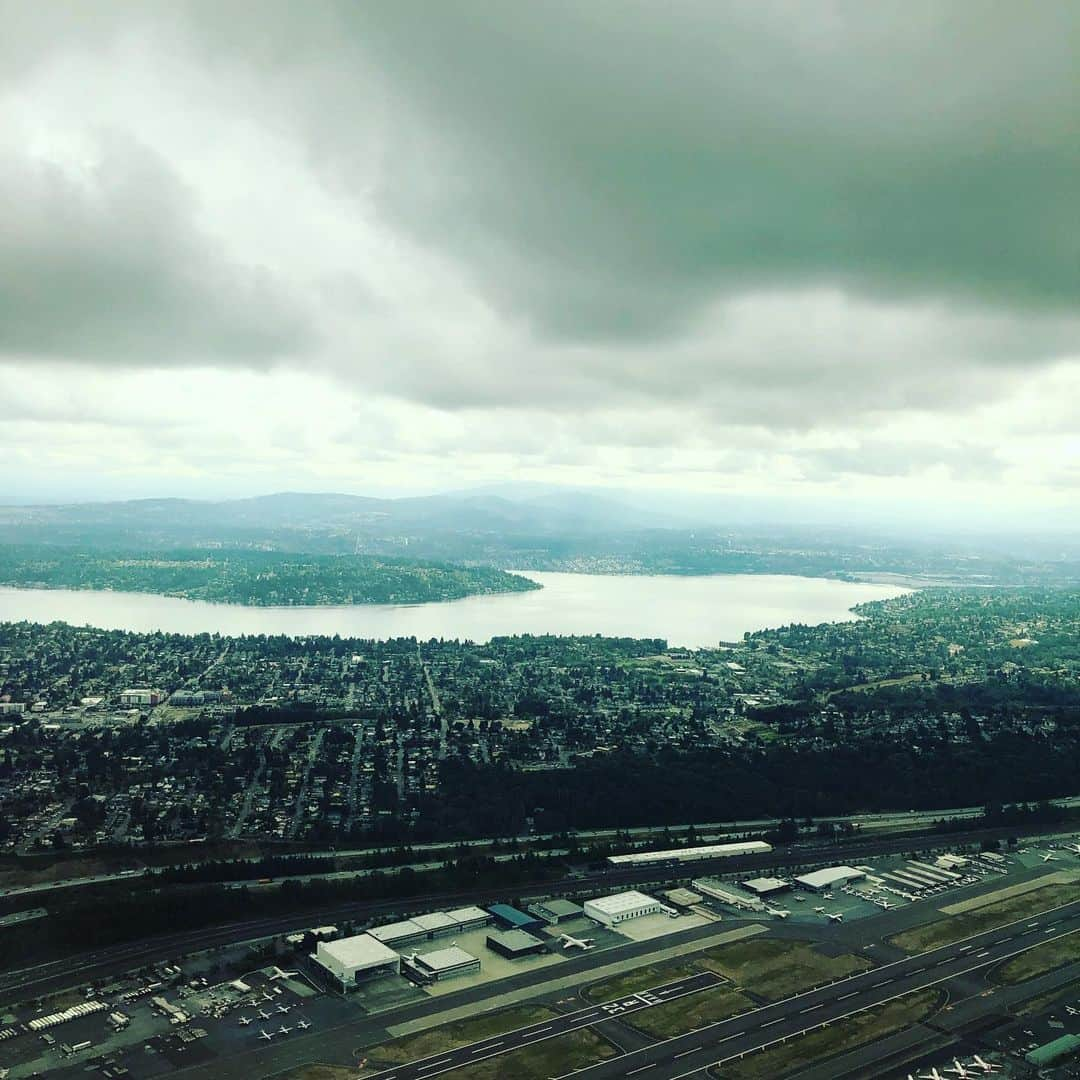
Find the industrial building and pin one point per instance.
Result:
(441, 964)
(515, 943)
(428, 927)
(682, 898)
(399, 934)
(621, 907)
(354, 959)
(829, 878)
(692, 854)
(716, 891)
(766, 886)
(1053, 1051)
(510, 918)
(470, 918)
(555, 911)
(139, 696)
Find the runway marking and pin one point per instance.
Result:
(846, 996)
(642, 1069)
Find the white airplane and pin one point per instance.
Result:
(828, 896)
(245, 1020)
(283, 1009)
(1073, 848)
(303, 1025)
(283, 1030)
(986, 1066)
(264, 1014)
(569, 942)
(820, 910)
(267, 1035)
(836, 916)
(1071, 1011)
(778, 913)
(959, 1069)
(933, 1074)
(1049, 856)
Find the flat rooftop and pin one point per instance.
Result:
(832, 875)
(623, 901)
(435, 921)
(358, 951)
(469, 914)
(557, 906)
(515, 940)
(397, 931)
(445, 959)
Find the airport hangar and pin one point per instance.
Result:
(515, 943)
(620, 907)
(354, 959)
(829, 878)
(441, 964)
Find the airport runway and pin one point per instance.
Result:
(51, 976)
(551, 1029)
(685, 1055)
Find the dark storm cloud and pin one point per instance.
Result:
(111, 267)
(610, 166)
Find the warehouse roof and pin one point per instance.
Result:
(708, 851)
(445, 959)
(515, 940)
(562, 908)
(682, 897)
(435, 921)
(511, 915)
(620, 902)
(468, 915)
(762, 885)
(397, 931)
(832, 875)
(359, 951)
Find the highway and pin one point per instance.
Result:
(708, 831)
(49, 976)
(757, 1029)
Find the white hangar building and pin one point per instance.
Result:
(620, 907)
(352, 960)
(830, 878)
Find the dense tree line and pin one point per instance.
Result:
(623, 789)
(240, 576)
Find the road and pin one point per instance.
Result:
(757, 1029)
(922, 819)
(498, 1045)
(37, 979)
(674, 1058)
(684, 1055)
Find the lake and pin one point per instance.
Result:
(687, 611)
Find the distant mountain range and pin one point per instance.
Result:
(554, 513)
(533, 530)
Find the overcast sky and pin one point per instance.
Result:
(802, 248)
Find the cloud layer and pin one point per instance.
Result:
(755, 246)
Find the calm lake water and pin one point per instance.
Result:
(687, 611)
